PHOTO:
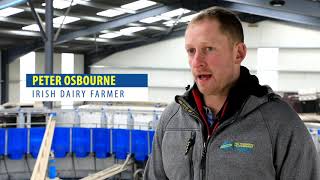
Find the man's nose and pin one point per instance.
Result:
(198, 60)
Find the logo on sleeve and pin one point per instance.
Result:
(237, 146)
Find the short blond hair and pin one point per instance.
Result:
(230, 23)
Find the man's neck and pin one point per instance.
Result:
(215, 103)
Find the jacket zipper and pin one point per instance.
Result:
(189, 146)
(207, 139)
(214, 133)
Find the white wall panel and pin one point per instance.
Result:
(250, 60)
(40, 63)
(280, 34)
(156, 77)
(295, 81)
(14, 81)
(299, 59)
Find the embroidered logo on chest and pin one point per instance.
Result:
(237, 146)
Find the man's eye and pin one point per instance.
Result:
(209, 48)
(191, 51)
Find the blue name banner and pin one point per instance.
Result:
(86, 80)
(85, 87)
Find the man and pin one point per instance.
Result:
(227, 126)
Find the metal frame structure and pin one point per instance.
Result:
(83, 36)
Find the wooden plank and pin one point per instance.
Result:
(40, 168)
(109, 172)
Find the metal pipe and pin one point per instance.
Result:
(38, 20)
(49, 43)
(64, 17)
(6, 142)
(91, 140)
(136, 173)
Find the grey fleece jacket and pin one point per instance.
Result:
(265, 140)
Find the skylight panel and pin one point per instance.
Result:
(151, 19)
(169, 23)
(9, 11)
(130, 30)
(67, 20)
(110, 35)
(61, 4)
(32, 27)
(110, 13)
(137, 5)
(176, 12)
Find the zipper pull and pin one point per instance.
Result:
(203, 156)
(190, 142)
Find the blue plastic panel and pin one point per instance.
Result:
(120, 143)
(2, 140)
(140, 144)
(17, 143)
(81, 141)
(101, 142)
(61, 142)
(36, 135)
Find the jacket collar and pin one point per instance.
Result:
(247, 94)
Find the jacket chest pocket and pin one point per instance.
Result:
(177, 153)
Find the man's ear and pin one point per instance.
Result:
(241, 51)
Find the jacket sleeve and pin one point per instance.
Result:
(294, 153)
(154, 169)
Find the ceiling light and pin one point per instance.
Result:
(32, 27)
(277, 3)
(110, 13)
(176, 12)
(35, 27)
(56, 23)
(61, 4)
(164, 17)
(67, 20)
(169, 23)
(130, 30)
(138, 4)
(151, 19)
(110, 35)
(92, 39)
(9, 11)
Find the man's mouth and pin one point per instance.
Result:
(204, 76)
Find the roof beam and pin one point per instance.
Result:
(102, 6)
(114, 23)
(20, 32)
(61, 13)
(24, 21)
(271, 13)
(308, 8)
(15, 52)
(96, 56)
(9, 3)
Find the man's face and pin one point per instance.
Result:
(213, 59)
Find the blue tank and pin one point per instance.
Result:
(140, 144)
(36, 136)
(61, 142)
(81, 141)
(120, 143)
(2, 141)
(101, 142)
(17, 143)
